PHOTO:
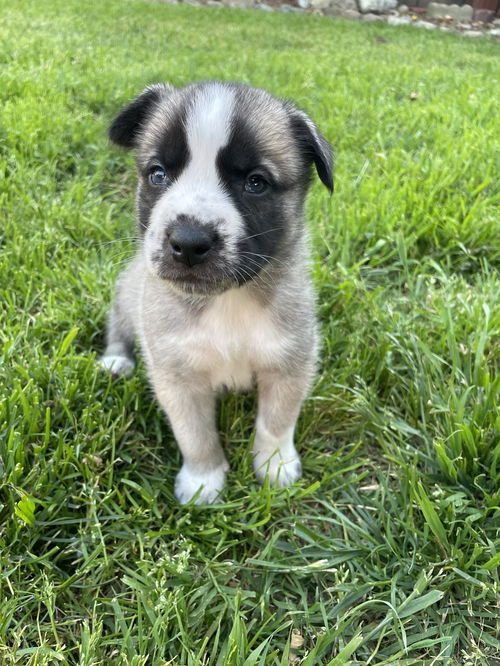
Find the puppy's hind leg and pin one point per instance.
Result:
(118, 356)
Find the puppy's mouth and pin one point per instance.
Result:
(192, 285)
(195, 280)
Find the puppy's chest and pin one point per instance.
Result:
(230, 341)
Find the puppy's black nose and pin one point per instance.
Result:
(190, 246)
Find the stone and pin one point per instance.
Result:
(304, 4)
(465, 13)
(263, 7)
(339, 7)
(344, 5)
(369, 18)
(377, 6)
(495, 32)
(351, 14)
(436, 10)
(290, 9)
(334, 7)
(496, 22)
(403, 9)
(483, 15)
(439, 10)
(425, 24)
(214, 3)
(399, 20)
(472, 33)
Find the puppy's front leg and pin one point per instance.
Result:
(280, 398)
(191, 413)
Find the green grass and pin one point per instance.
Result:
(387, 551)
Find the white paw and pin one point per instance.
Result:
(118, 366)
(206, 486)
(283, 469)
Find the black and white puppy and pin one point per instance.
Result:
(219, 295)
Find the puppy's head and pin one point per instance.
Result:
(223, 174)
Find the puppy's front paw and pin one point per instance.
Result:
(207, 486)
(282, 469)
(118, 366)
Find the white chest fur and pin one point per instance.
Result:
(228, 342)
(234, 337)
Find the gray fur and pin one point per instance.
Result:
(203, 335)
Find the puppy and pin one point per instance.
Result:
(219, 295)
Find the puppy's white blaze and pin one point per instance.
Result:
(198, 192)
(208, 126)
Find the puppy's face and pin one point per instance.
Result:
(223, 173)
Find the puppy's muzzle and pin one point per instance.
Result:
(190, 245)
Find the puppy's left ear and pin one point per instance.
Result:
(314, 146)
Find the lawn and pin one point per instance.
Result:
(387, 551)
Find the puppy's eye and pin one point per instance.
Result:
(158, 176)
(255, 184)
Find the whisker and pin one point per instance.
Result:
(268, 231)
(125, 252)
(268, 258)
(262, 273)
(122, 262)
(126, 239)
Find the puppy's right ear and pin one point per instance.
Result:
(126, 127)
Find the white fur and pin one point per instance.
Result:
(235, 337)
(275, 457)
(206, 486)
(117, 365)
(208, 126)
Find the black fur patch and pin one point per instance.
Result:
(262, 214)
(173, 149)
(146, 199)
(172, 154)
